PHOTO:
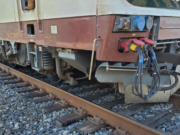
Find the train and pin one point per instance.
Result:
(132, 44)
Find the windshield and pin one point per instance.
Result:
(174, 4)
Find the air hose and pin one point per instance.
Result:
(153, 71)
(137, 80)
(175, 75)
(155, 85)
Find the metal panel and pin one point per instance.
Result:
(80, 60)
(77, 33)
(48, 9)
(160, 96)
(168, 34)
(169, 28)
(124, 74)
(67, 8)
(123, 7)
(45, 9)
(7, 13)
(107, 49)
(169, 23)
(51, 9)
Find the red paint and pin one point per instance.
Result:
(79, 33)
(138, 42)
(169, 28)
(108, 46)
(148, 41)
(124, 45)
(75, 33)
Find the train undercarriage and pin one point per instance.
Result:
(57, 63)
(70, 66)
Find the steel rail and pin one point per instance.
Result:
(109, 117)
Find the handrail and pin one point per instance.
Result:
(92, 56)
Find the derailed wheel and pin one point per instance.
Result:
(53, 78)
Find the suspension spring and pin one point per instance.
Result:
(48, 62)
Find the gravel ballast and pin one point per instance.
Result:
(170, 125)
(152, 111)
(20, 116)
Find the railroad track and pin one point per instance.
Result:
(95, 100)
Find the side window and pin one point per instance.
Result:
(169, 4)
(28, 4)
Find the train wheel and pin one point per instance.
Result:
(22, 54)
(53, 78)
